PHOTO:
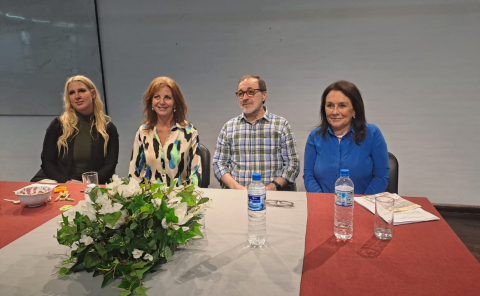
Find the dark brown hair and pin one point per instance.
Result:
(359, 123)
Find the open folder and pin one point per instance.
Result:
(413, 215)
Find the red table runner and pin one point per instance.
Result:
(422, 258)
(17, 220)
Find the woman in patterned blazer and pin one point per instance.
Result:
(166, 146)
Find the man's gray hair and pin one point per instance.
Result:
(261, 83)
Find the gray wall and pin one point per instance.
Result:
(416, 63)
(40, 47)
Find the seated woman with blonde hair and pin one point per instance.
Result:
(80, 140)
(166, 146)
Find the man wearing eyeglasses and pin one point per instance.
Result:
(257, 141)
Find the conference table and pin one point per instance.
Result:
(302, 256)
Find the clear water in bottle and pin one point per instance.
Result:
(343, 224)
(257, 212)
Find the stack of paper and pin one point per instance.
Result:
(405, 211)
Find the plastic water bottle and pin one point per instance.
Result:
(343, 224)
(257, 212)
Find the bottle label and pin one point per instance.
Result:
(343, 198)
(256, 202)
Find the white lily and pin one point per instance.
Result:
(148, 257)
(129, 190)
(183, 217)
(84, 208)
(87, 240)
(171, 203)
(157, 202)
(116, 181)
(198, 210)
(110, 208)
(103, 200)
(137, 253)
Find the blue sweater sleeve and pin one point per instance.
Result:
(311, 184)
(380, 165)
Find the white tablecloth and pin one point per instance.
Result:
(220, 264)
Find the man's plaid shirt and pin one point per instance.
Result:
(268, 147)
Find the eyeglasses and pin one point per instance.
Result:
(249, 92)
(279, 203)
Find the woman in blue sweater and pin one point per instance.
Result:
(344, 140)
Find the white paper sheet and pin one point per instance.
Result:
(412, 216)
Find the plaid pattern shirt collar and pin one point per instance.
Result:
(265, 116)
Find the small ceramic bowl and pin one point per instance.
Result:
(33, 196)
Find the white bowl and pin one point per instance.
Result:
(33, 196)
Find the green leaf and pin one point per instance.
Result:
(112, 218)
(68, 261)
(171, 218)
(107, 278)
(139, 272)
(124, 284)
(115, 242)
(129, 233)
(168, 253)
(188, 197)
(152, 244)
(139, 264)
(67, 235)
(133, 225)
(79, 265)
(63, 271)
(78, 218)
(159, 195)
(159, 233)
(134, 207)
(181, 237)
(148, 209)
(197, 231)
(101, 250)
(172, 185)
(203, 200)
(93, 193)
(150, 223)
(65, 220)
(125, 293)
(92, 259)
(141, 290)
(97, 272)
(87, 221)
(140, 243)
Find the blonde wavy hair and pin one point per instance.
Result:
(69, 119)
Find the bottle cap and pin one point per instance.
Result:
(344, 173)
(256, 177)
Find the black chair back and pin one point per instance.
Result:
(205, 160)
(392, 186)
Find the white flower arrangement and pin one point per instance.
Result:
(126, 229)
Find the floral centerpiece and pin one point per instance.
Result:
(127, 229)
